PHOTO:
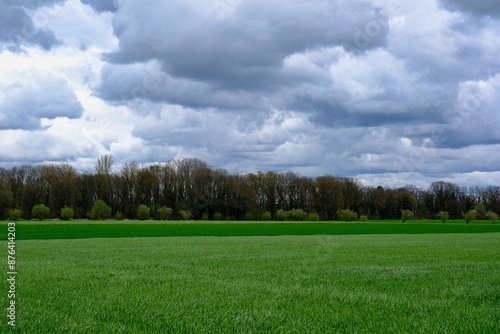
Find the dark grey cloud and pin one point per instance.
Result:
(31, 4)
(102, 5)
(247, 59)
(475, 7)
(245, 50)
(146, 81)
(27, 100)
(17, 27)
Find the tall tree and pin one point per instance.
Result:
(86, 194)
(491, 196)
(352, 193)
(63, 189)
(327, 196)
(127, 189)
(104, 164)
(445, 198)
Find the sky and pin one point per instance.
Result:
(391, 92)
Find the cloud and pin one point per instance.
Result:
(31, 4)
(475, 119)
(192, 41)
(31, 98)
(380, 83)
(407, 72)
(19, 28)
(102, 5)
(147, 81)
(475, 7)
(268, 139)
(79, 26)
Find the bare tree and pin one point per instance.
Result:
(104, 164)
(491, 197)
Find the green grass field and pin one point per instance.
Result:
(401, 282)
(111, 229)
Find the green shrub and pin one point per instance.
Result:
(481, 210)
(248, 216)
(266, 215)
(443, 216)
(67, 213)
(298, 215)
(100, 210)
(313, 216)
(119, 215)
(204, 216)
(185, 214)
(471, 215)
(217, 216)
(165, 213)
(346, 215)
(143, 212)
(493, 217)
(40, 211)
(15, 214)
(406, 215)
(363, 218)
(281, 215)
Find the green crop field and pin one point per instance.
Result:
(425, 279)
(112, 229)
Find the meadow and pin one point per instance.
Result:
(404, 281)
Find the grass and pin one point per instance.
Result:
(109, 229)
(222, 222)
(425, 283)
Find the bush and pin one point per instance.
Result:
(481, 211)
(217, 216)
(443, 216)
(471, 215)
(298, 214)
(346, 215)
(493, 217)
(67, 213)
(143, 212)
(313, 216)
(204, 216)
(266, 215)
(406, 215)
(40, 211)
(248, 216)
(119, 215)
(165, 213)
(363, 218)
(100, 210)
(15, 214)
(185, 214)
(281, 215)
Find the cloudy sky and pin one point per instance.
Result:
(392, 92)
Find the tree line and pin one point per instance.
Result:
(190, 189)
